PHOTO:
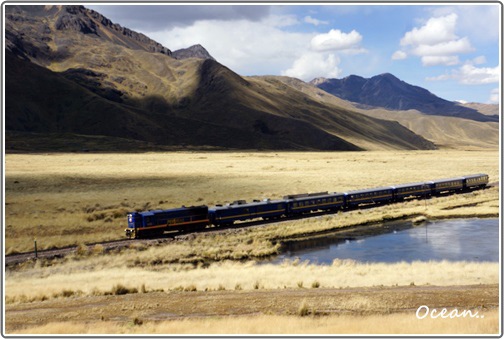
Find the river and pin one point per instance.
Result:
(472, 239)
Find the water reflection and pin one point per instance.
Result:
(453, 240)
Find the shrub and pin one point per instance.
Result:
(120, 289)
(82, 250)
(315, 284)
(190, 288)
(303, 309)
(98, 249)
(67, 293)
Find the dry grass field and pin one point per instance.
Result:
(397, 324)
(65, 199)
(68, 199)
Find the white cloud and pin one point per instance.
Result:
(435, 42)
(399, 55)
(336, 40)
(494, 96)
(238, 46)
(311, 65)
(478, 60)
(444, 48)
(450, 60)
(435, 31)
(280, 20)
(309, 20)
(471, 75)
(478, 22)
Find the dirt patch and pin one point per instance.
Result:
(159, 306)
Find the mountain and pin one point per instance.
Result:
(71, 73)
(487, 109)
(30, 31)
(195, 51)
(445, 132)
(387, 91)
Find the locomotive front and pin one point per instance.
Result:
(134, 222)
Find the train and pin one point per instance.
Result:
(196, 218)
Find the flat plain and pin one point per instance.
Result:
(77, 199)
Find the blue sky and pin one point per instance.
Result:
(450, 49)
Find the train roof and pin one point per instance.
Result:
(243, 203)
(447, 180)
(377, 189)
(475, 175)
(410, 184)
(170, 210)
(306, 196)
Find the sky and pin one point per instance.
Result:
(451, 49)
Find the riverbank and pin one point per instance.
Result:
(420, 239)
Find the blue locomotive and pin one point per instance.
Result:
(154, 223)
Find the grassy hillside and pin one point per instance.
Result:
(445, 132)
(105, 83)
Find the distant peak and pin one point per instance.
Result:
(353, 77)
(386, 76)
(195, 51)
(318, 81)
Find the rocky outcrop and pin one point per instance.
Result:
(195, 51)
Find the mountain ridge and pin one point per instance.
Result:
(106, 82)
(387, 91)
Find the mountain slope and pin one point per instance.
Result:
(106, 80)
(448, 132)
(387, 91)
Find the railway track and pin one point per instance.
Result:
(18, 258)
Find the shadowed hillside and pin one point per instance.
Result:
(108, 80)
(387, 91)
(449, 132)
